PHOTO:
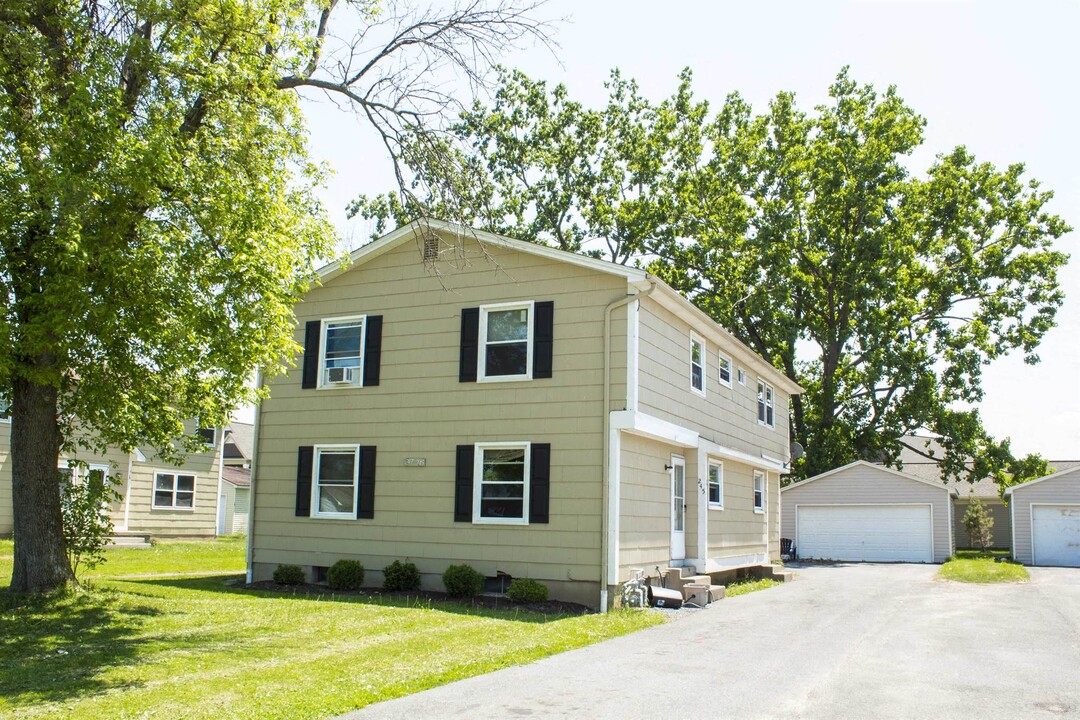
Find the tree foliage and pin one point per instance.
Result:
(882, 291)
(159, 221)
(979, 524)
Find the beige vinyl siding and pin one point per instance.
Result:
(201, 521)
(645, 504)
(1001, 532)
(1061, 490)
(7, 521)
(870, 485)
(737, 530)
(421, 410)
(726, 416)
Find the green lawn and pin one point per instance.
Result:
(196, 647)
(972, 566)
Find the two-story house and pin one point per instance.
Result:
(157, 498)
(467, 398)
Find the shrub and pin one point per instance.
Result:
(526, 590)
(345, 575)
(462, 581)
(289, 575)
(84, 494)
(401, 576)
(978, 522)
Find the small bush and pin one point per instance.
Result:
(526, 590)
(462, 581)
(401, 576)
(289, 575)
(345, 575)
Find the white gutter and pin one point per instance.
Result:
(609, 520)
(249, 554)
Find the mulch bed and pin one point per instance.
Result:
(487, 602)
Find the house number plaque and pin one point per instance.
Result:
(416, 462)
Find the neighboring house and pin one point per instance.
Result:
(530, 412)
(1046, 519)
(238, 444)
(158, 498)
(867, 512)
(235, 499)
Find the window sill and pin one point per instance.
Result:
(715, 507)
(495, 521)
(766, 425)
(759, 511)
(700, 393)
(172, 509)
(342, 386)
(504, 378)
(725, 384)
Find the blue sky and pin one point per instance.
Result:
(999, 78)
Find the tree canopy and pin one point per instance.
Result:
(159, 214)
(882, 291)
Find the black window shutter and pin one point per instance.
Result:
(304, 458)
(463, 486)
(372, 349)
(470, 341)
(311, 354)
(543, 339)
(539, 482)
(365, 496)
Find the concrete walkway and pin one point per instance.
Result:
(858, 641)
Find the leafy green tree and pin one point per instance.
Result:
(884, 293)
(158, 216)
(979, 524)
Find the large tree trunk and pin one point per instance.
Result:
(41, 562)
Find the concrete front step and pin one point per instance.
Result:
(129, 540)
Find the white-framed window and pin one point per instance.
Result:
(506, 342)
(208, 435)
(174, 491)
(335, 474)
(741, 374)
(716, 485)
(759, 491)
(765, 411)
(501, 483)
(724, 363)
(341, 352)
(697, 364)
(5, 411)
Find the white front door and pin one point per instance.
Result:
(678, 508)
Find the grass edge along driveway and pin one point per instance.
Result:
(197, 647)
(971, 566)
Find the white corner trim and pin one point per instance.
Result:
(614, 465)
(632, 349)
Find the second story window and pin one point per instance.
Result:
(342, 356)
(765, 410)
(697, 365)
(506, 342)
(725, 370)
(741, 374)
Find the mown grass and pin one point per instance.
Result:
(972, 566)
(742, 587)
(203, 647)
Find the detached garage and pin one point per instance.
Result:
(868, 513)
(1046, 519)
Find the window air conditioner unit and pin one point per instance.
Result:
(340, 375)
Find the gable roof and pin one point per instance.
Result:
(238, 476)
(241, 436)
(889, 470)
(1054, 476)
(635, 277)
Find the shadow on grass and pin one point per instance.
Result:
(495, 608)
(55, 648)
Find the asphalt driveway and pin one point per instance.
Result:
(848, 641)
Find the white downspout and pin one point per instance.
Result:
(249, 554)
(609, 514)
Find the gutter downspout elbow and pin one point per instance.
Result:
(606, 510)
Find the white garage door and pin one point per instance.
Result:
(1055, 534)
(872, 533)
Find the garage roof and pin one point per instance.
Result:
(939, 485)
(1029, 483)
